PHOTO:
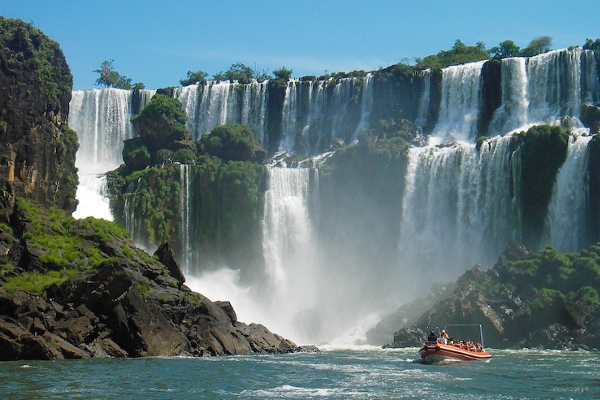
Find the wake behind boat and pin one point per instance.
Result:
(447, 349)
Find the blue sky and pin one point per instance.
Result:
(157, 41)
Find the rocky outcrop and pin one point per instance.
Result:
(103, 297)
(536, 300)
(37, 148)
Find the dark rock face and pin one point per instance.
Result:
(407, 337)
(37, 148)
(127, 305)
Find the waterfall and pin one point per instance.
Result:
(457, 208)
(288, 246)
(366, 105)
(544, 89)
(185, 210)
(424, 100)
(554, 86)
(101, 118)
(512, 114)
(566, 223)
(217, 103)
(290, 115)
(314, 113)
(460, 103)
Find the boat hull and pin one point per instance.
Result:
(433, 352)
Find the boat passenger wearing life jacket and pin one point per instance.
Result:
(443, 338)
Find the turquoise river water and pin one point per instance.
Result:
(357, 373)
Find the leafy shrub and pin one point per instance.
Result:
(161, 121)
(230, 142)
(136, 154)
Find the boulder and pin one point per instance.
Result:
(167, 257)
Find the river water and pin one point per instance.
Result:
(358, 373)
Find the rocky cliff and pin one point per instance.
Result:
(37, 148)
(80, 288)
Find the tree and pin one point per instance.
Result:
(459, 54)
(507, 48)
(283, 73)
(109, 77)
(194, 77)
(260, 73)
(539, 45)
(237, 72)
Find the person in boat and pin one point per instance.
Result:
(431, 337)
(443, 338)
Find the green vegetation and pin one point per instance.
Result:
(145, 290)
(109, 77)
(30, 44)
(508, 48)
(55, 236)
(226, 183)
(164, 137)
(36, 282)
(590, 116)
(539, 45)
(241, 73)
(163, 118)
(547, 282)
(231, 142)
(194, 77)
(6, 268)
(58, 247)
(459, 54)
(136, 154)
(282, 73)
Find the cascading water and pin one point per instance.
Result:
(185, 210)
(566, 223)
(101, 118)
(217, 103)
(544, 89)
(460, 104)
(366, 105)
(288, 246)
(460, 204)
(512, 114)
(457, 208)
(316, 112)
(424, 101)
